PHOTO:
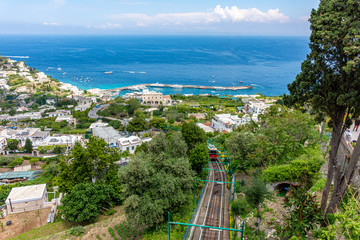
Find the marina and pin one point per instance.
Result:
(158, 85)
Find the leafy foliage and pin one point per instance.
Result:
(157, 122)
(330, 81)
(16, 162)
(345, 222)
(304, 215)
(192, 134)
(95, 163)
(77, 231)
(86, 201)
(156, 182)
(12, 144)
(281, 136)
(256, 193)
(134, 104)
(239, 145)
(28, 146)
(137, 125)
(199, 157)
(304, 169)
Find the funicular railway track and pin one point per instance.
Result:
(214, 215)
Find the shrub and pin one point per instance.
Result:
(111, 231)
(16, 162)
(131, 230)
(77, 231)
(5, 161)
(118, 230)
(110, 212)
(304, 169)
(319, 185)
(124, 230)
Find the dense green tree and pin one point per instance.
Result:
(199, 157)
(176, 146)
(86, 201)
(239, 145)
(282, 136)
(134, 104)
(192, 134)
(65, 102)
(58, 150)
(116, 124)
(28, 146)
(256, 193)
(156, 122)
(330, 82)
(12, 144)
(158, 144)
(154, 185)
(12, 112)
(95, 163)
(137, 125)
(142, 148)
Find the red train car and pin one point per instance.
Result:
(213, 152)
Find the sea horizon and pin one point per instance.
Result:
(268, 63)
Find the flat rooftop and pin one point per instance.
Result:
(26, 194)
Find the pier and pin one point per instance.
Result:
(176, 86)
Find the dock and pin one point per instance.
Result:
(175, 86)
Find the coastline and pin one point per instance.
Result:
(116, 91)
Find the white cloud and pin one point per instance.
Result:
(235, 14)
(304, 18)
(51, 24)
(108, 26)
(217, 15)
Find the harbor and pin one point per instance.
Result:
(138, 87)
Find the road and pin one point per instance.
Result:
(93, 112)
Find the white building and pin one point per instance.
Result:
(98, 124)
(28, 198)
(68, 118)
(82, 107)
(129, 143)
(19, 117)
(205, 127)
(109, 134)
(64, 140)
(256, 107)
(226, 122)
(42, 77)
(59, 113)
(34, 134)
(153, 98)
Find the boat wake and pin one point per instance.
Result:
(133, 72)
(256, 85)
(17, 56)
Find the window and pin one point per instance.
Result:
(133, 147)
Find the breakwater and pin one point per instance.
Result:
(175, 86)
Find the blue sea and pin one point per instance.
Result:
(266, 63)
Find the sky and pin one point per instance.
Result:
(163, 17)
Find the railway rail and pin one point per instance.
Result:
(214, 206)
